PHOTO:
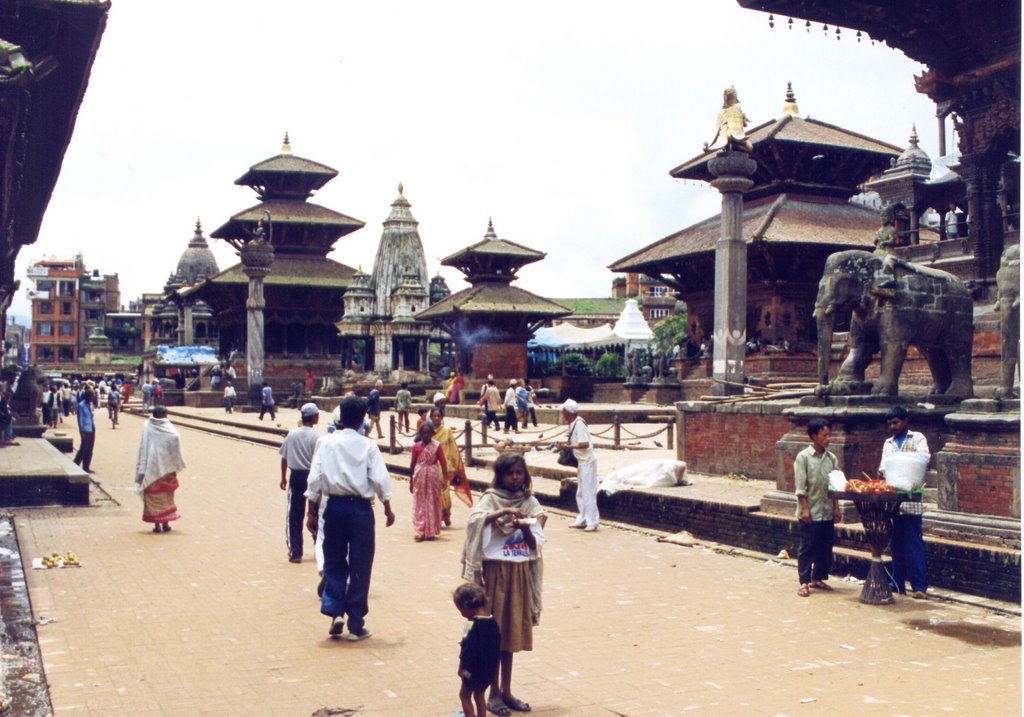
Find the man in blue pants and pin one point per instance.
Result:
(907, 543)
(348, 471)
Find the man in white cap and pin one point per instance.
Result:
(439, 400)
(586, 477)
(297, 455)
(511, 417)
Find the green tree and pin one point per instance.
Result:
(672, 330)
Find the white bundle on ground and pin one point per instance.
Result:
(645, 474)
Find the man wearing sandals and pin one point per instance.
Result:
(816, 512)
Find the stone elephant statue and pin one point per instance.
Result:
(1008, 285)
(925, 308)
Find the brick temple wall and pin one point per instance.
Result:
(736, 438)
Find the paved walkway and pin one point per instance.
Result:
(212, 620)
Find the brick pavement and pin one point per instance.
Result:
(212, 620)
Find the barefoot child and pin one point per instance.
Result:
(425, 483)
(481, 645)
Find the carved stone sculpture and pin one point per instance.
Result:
(1008, 285)
(729, 125)
(25, 404)
(928, 309)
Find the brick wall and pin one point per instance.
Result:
(504, 360)
(986, 490)
(735, 438)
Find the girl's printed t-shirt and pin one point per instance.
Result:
(510, 548)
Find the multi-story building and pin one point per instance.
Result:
(657, 301)
(67, 302)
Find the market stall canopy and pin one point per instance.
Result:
(630, 328)
(186, 355)
(546, 338)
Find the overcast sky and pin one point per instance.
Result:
(561, 120)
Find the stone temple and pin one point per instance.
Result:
(378, 331)
(179, 319)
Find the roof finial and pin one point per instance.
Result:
(490, 230)
(286, 148)
(789, 106)
(401, 189)
(913, 135)
(199, 226)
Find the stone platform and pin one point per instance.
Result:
(33, 472)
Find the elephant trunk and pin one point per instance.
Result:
(823, 316)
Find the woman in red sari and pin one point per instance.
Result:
(426, 477)
(156, 471)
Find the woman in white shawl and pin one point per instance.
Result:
(156, 471)
(504, 537)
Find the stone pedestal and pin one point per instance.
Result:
(858, 432)
(732, 171)
(634, 392)
(979, 472)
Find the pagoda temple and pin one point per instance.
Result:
(797, 212)
(378, 331)
(491, 321)
(303, 289)
(972, 54)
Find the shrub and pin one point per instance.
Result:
(610, 365)
(574, 365)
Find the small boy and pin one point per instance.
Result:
(816, 512)
(481, 649)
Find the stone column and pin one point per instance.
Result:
(185, 322)
(732, 171)
(257, 256)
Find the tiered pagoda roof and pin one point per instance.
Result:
(807, 171)
(490, 267)
(296, 226)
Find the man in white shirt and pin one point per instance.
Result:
(907, 542)
(349, 471)
(511, 417)
(586, 477)
(297, 455)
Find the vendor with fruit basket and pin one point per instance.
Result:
(907, 542)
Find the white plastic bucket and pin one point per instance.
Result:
(905, 471)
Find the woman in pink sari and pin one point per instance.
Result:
(156, 472)
(425, 483)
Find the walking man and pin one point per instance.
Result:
(491, 401)
(267, 402)
(348, 471)
(907, 542)
(86, 431)
(586, 477)
(297, 455)
(147, 396)
(373, 407)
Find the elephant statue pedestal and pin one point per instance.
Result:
(979, 474)
(858, 432)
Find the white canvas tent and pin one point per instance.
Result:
(630, 329)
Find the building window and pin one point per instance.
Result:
(45, 308)
(659, 313)
(44, 285)
(67, 353)
(65, 308)
(658, 291)
(67, 288)
(44, 353)
(93, 315)
(67, 329)
(44, 329)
